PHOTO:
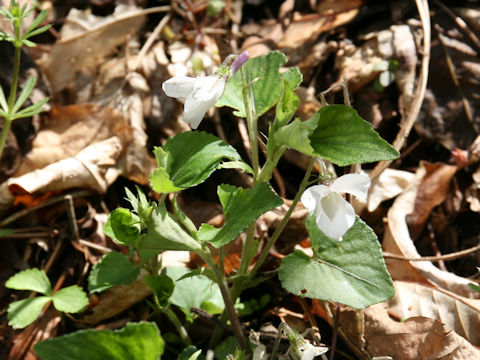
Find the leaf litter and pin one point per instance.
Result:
(108, 111)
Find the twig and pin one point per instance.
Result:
(408, 122)
(102, 249)
(461, 24)
(453, 75)
(52, 200)
(445, 257)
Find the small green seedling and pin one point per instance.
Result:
(22, 313)
(10, 109)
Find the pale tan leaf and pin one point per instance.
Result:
(417, 338)
(397, 240)
(390, 183)
(92, 39)
(455, 312)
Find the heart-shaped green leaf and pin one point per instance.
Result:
(188, 159)
(351, 272)
(241, 208)
(136, 341)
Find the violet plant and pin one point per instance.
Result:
(347, 264)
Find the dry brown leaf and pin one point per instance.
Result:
(95, 167)
(80, 48)
(115, 301)
(416, 338)
(359, 66)
(455, 312)
(432, 191)
(397, 240)
(44, 328)
(69, 129)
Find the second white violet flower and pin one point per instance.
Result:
(333, 214)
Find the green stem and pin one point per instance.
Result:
(252, 123)
(276, 234)
(3, 135)
(271, 163)
(178, 325)
(11, 98)
(248, 250)
(16, 71)
(229, 304)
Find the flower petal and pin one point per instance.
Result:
(355, 184)
(179, 86)
(334, 215)
(312, 195)
(309, 351)
(206, 93)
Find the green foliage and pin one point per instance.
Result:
(30, 279)
(351, 272)
(264, 80)
(336, 133)
(241, 208)
(188, 159)
(164, 233)
(190, 353)
(195, 291)
(22, 313)
(112, 269)
(16, 14)
(229, 347)
(162, 287)
(214, 7)
(136, 341)
(71, 299)
(122, 226)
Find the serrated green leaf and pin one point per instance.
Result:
(71, 299)
(122, 226)
(30, 279)
(112, 269)
(164, 233)
(287, 106)
(344, 138)
(188, 159)
(162, 287)
(26, 91)
(266, 84)
(296, 136)
(183, 218)
(196, 291)
(24, 312)
(236, 165)
(293, 76)
(351, 272)
(3, 101)
(241, 208)
(136, 341)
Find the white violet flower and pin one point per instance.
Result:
(201, 93)
(333, 214)
(309, 351)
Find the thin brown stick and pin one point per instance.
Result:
(408, 122)
(52, 200)
(445, 257)
(461, 24)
